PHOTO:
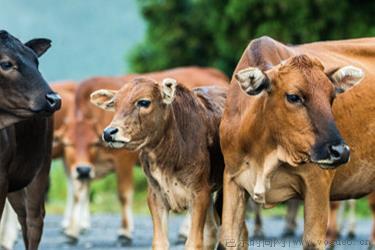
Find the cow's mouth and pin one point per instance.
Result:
(325, 164)
(116, 144)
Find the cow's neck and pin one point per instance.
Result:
(171, 149)
(261, 151)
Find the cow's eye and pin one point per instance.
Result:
(143, 103)
(6, 65)
(294, 99)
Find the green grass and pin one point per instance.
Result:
(103, 195)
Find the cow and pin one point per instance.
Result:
(175, 131)
(87, 157)
(280, 131)
(26, 128)
(9, 226)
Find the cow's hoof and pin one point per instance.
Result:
(288, 233)
(181, 239)
(351, 235)
(124, 240)
(258, 235)
(71, 240)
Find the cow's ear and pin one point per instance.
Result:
(104, 99)
(346, 77)
(252, 80)
(168, 90)
(39, 45)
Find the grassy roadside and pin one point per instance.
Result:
(103, 195)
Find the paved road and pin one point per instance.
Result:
(103, 235)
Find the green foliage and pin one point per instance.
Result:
(215, 32)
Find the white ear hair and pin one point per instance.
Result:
(103, 99)
(346, 77)
(251, 80)
(168, 90)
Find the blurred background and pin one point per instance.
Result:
(122, 36)
(116, 37)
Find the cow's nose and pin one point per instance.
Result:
(339, 153)
(83, 172)
(108, 134)
(53, 102)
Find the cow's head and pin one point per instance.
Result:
(142, 111)
(297, 97)
(80, 139)
(23, 91)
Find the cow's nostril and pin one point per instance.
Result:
(108, 133)
(337, 150)
(339, 153)
(113, 131)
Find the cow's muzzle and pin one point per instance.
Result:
(53, 102)
(336, 155)
(109, 134)
(84, 172)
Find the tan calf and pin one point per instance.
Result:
(176, 133)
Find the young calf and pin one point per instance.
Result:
(176, 131)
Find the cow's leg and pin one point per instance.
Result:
(69, 203)
(3, 193)
(18, 202)
(258, 225)
(316, 212)
(199, 208)
(291, 218)
(233, 230)
(80, 190)
(124, 172)
(8, 227)
(351, 219)
(184, 229)
(35, 198)
(85, 213)
(210, 228)
(332, 231)
(159, 214)
(371, 201)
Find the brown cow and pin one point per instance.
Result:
(87, 158)
(278, 116)
(66, 90)
(176, 132)
(25, 132)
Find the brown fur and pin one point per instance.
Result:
(253, 127)
(66, 90)
(179, 149)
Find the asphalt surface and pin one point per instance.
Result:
(104, 231)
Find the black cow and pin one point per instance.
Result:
(26, 106)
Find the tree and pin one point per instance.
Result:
(215, 32)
